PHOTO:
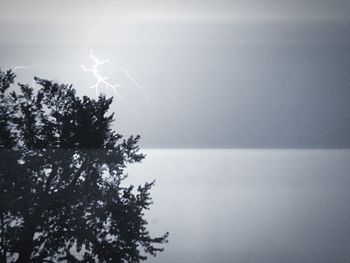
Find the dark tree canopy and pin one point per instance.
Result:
(61, 172)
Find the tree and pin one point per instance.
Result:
(62, 197)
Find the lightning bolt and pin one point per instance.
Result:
(134, 82)
(100, 80)
(97, 62)
(25, 67)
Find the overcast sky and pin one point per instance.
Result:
(82, 11)
(205, 73)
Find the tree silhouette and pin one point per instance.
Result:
(61, 174)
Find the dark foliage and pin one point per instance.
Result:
(61, 172)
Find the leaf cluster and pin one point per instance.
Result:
(62, 197)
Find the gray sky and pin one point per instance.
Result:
(215, 73)
(249, 206)
(82, 11)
